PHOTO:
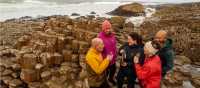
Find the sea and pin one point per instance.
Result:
(10, 9)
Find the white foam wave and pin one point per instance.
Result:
(34, 1)
(107, 2)
(150, 11)
(137, 21)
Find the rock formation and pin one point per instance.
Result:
(133, 9)
(49, 52)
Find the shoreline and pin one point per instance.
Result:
(99, 12)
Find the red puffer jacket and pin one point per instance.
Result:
(150, 73)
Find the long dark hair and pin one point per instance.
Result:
(137, 37)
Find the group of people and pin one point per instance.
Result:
(148, 62)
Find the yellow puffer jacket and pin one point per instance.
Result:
(95, 67)
(96, 62)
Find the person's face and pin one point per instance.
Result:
(131, 41)
(146, 52)
(100, 47)
(108, 31)
(159, 38)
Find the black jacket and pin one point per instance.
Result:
(131, 51)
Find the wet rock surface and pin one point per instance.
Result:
(49, 52)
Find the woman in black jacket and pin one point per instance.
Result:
(133, 47)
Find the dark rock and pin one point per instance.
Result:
(90, 17)
(134, 9)
(92, 12)
(25, 18)
(75, 14)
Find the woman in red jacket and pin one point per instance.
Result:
(150, 73)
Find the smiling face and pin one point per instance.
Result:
(108, 30)
(99, 47)
(131, 41)
(160, 36)
(97, 44)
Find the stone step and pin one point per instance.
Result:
(28, 75)
(28, 61)
(50, 59)
(67, 54)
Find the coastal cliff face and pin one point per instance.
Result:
(49, 52)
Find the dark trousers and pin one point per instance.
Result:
(111, 71)
(163, 74)
(103, 85)
(129, 74)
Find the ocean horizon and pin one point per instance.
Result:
(35, 8)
